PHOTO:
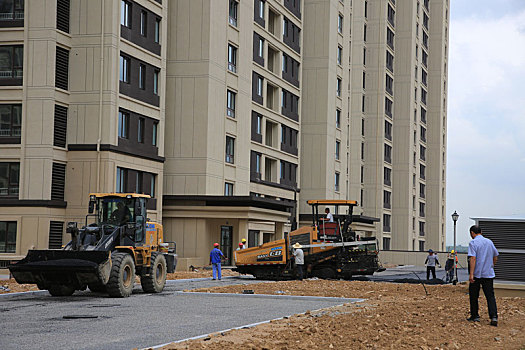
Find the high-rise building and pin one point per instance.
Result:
(374, 113)
(231, 114)
(81, 109)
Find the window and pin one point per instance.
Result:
(364, 56)
(261, 48)
(423, 115)
(388, 107)
(234, 5)
(62, 14)
(364, 80)
(421, 243)
(9, 179)
(340, 23)
(230, 103)
(258, 159)
(62, 68)
(123, 124)
(387, 175)
(339, 54)
(11, 62)
(363, 103)
(124, 69)
(421, 171)
(259, 124)
(259, 85)
(424, 57)
(121, 180)
(422, 152)
(366, 9)
(125, 13)
(143, 22)
(389, 82)
(388, 154)
(58, 181)
(362, 151)
(230, 149)
(389, 61)
(421, 228)
(154, 140)
(261, 9)
(7, 236)
(11, 10)
(362, 174)
(60, 126)
(364, 32)
(338, 87)
(423, 95)
(387, 199)
(386, 243)
(337, 118)
(390, 38)
(386, 223)
(425, 39)
(391, 15)
(142, 76)
(140, 130)
(422, 209)
(156, 82)
(157, 30)
(421, 190)
(388, 130)
(423, 134)
(232, 58)
(337, 149)
(336, 184)
(362, 127)
(10, 120)
(228, 189)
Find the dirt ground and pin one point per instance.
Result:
(394, 316)
(14, 287)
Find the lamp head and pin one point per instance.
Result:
(455, 216)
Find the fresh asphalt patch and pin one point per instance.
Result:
(94, 321)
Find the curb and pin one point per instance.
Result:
(251, 325)
(17, 294)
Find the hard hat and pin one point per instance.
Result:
(297, 246)
(452, 251)
(240, 244)
(243, 240)
(430, 251)
(215, 244)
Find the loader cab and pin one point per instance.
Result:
(120, 210)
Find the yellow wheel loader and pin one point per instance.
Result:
(105, 255)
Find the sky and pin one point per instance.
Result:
(486, 112)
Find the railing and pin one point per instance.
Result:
(230, 112)
(8, 74)
(232, 67)
(10, 16)
(233, 21)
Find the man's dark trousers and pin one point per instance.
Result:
(433, 269)
(488, 289)
(299, 272)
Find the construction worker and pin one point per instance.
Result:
(431, 262)
(244, 243)
(241, 246)
(449, 267)
(215, 261)
(299, 260)
(329, 216)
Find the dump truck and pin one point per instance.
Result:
(331, 249)
(105, 255)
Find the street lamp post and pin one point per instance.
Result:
(455, 218)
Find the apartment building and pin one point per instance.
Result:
(233, 126)
(374, 114)
(81, 110)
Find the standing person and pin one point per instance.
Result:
(431, 262)
(449, 267)
(215, 260)
(299, 260)
(244, 244)
(483, 256)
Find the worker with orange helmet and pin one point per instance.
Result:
(241, 246)
(215, 261)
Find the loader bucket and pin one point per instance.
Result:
(65, 267)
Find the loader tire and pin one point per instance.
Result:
(97, 288)
(153, 278)
(122, 275)
(61, 290)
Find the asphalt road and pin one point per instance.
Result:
(142, 320)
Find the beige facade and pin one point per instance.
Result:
(231, 113)
(363, 133)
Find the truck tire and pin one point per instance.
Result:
(153, 278)
(122, 276)
(97, 288)
(61, 290)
